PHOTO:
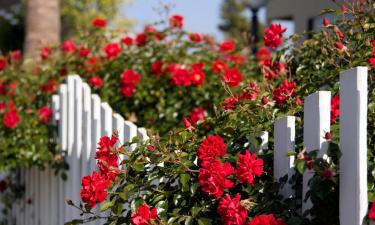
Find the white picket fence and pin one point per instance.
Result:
(82, 119)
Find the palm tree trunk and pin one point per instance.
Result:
(42, 26)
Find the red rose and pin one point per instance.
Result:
(141, 39)
(227, 46)
(68, 46)
(107, 157)
(3, 63)
(251, 92)
(248, 167)
(84, 52)
(187, 123)
(232, 77)
(325, 22)
(219, 66)
(343, 8)
(99, 22)
(266, 220)
(195, 37)
(112, 50)
(15, 55)
(231, 211)
(327, 174)
(271, 70)
(181, 77)
(127, 40)
(149, 29)
(284, 91)
(93, 189)
(265, 100)
(335, 108)
(212, 177)
(273, 36)
(96, 81)
(236, 59)
(230, 103)
(156, 68)
(143, 215)
(44, 114)
(299, 102)
(372, 61)
(129, 82)
(176, 21)
(263, 55)
(11, 119)
(50, 86)
(211, 148)
(340, 35)
(371, 213)
(197, 114)
(339, 45)
(197, 75)
(45, 52)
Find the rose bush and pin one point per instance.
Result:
(205, 173)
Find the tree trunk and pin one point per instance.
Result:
(42, 26)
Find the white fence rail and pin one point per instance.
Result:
(82, 119)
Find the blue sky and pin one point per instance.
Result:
(200, 15)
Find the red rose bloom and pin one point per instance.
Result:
(93, 189)
(11, 119)
(96, 81)
(284, 91)
(112, 50)
(149, 29)
(339, 45)
(44, 114)
(371, 213)
(176, 21)
(227, 46)
(187, 123)
(248, 167)
(143, 215)
(15, 55)
(84, 52)
(141, 39)
(211, 148)
(325, 22)
(372, 61)
(68, 46)
(107, 157)
(50, 86)
(335, 108)
(44, 52)
(129, 82)
(273, 36)
(99, 22)
(231, 211)
(266, 220)
(127, 40)
(219, 66)
(232, 77)
(230, 103)
(265, 100)
(181, 77)
(195, 37)
(271, 70)
(197, 114)
(3, 63)
(237, 59)
(251, 92)
(197, 75)
(212, 177)
(157, 68)
(263, 55)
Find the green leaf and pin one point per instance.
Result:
(300, 166)
(184, 179)
(204, 221)
(105, 206)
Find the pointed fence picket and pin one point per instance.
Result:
(82, 118)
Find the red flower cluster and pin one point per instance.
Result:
(266, 220)
(251, 92)
(93, 189)
(11, 118)
(143, 215)
(211, 148)
(127, 40)
(181, 77)
(230, 103)
(263, 55)
(157, 68)
(68, 47)
(371, 213)
(184, 77)
(44, 114)
(176, 21)
(271, 70)
(99, 22)
(129, 82)
(195, 37)
(112, 50)
(96, 81)
(197, 114)
(49, 87)
(273, 36)
(232, 77)
(227, 46)
(107, 157)
(3, 63)
(231, 211)
(212, 177)
(335, 108)
(219, 67)
(372, 59)
(15, 55)
(197, 75)
(248, 167)
(45, 52)
(141, 39)
(284, 91)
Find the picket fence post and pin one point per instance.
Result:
(315, 123)
(353, 142)
(284, 141)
